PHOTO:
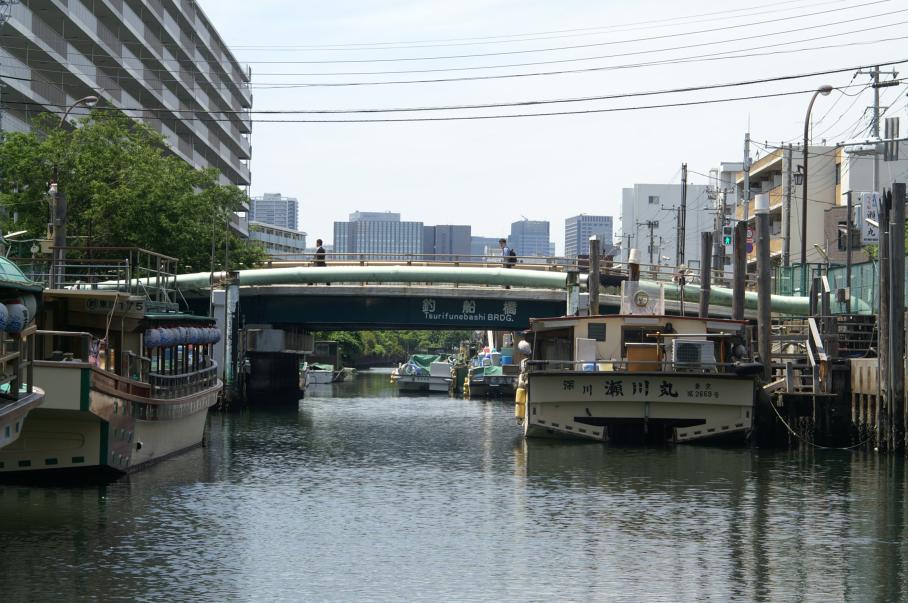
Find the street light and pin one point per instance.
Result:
(824, 90)
(60, 205)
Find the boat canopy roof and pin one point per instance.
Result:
(11, 276)
(425, 360)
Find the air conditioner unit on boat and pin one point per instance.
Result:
(693, 354)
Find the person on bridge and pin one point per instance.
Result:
(319, 254)
(508, 256)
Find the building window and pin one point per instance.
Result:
(842, 242)
(653, 199)
(838, 173)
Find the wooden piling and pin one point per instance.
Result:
(739, 271)
(706, 272)
(883, 417)
(592, 283)
(897, 315)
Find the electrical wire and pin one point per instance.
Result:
(600, 44)
(723, 55)
(534, 102)
(510, 38)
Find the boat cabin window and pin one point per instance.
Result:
(554, 345)
(640, 334)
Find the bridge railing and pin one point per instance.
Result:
(608, 266)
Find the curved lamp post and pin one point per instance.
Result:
(60, 205)
(824, 90)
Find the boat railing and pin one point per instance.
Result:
(179, 385)
(632, 366)
(17, 353)
(131, 269)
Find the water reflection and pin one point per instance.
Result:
(359, 494)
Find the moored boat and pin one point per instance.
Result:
(423, 373)
(129, 378)
(18, 394)
(637, 376)
(321, 374)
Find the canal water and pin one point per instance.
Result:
(363, 495)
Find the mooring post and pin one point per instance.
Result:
(884, 416)
(706, 272)
(633, 265)
(592, 282)
(739, 271)
(897, 317)
(764, 316)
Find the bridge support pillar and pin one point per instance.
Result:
(271, 377)
(271, 359)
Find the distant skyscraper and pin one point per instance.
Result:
(530, 238)
(483, 246)
(579, 229)
(446, 243)
(274, 209)
(378, 235)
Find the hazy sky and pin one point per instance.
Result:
(491, 172)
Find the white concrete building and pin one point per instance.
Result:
(649, 221)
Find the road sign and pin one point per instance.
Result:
(750, 247)
(750, 235)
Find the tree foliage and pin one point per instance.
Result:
(393, 346)
(124, 188)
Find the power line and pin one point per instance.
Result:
(482, 117)
(535, 102)
(517, 38)
(598, 44)
(723, 55)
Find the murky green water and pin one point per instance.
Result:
(360, 495)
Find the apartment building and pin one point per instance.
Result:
(159, 61)
(275, 209)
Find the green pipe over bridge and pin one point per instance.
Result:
(515, 277)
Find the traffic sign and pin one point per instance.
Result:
(750, 235)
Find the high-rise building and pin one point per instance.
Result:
(446, 243)
(377, 236)
(160, 62)
(481, 247)
(579, 229)
(274, 209)
(530, 238)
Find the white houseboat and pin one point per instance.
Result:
(128, 380)
(637, 376)
(19, 297)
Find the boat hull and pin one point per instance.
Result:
(87, 424)
(423, 383)
(13, 414)
(637, 406)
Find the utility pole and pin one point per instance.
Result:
(786, 212)
(746, 176)
(875, 130)
(682, 223)
(651, 224)
(875, 123)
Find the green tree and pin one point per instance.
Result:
(124, 188)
